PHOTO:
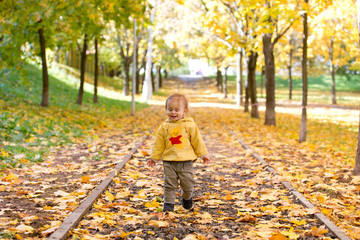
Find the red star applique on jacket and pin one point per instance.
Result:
(175, 140)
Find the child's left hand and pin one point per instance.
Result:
(151, 163)
(206, 159)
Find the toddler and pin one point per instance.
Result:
(178, 144)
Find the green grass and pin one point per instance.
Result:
(27, 131)
(319, 89)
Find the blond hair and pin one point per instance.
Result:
(178, 97)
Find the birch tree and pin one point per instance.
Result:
(357, 159)
(147, 90)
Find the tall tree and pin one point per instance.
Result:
(357, 159)
(126, 56)
(271, 28)
(83, 54)
(147, 86)
(96, 72)
(252, 83)
(82, 29)
(119, 15)
(35, 23)
(334, 36)
(45, 75)
(303, 127)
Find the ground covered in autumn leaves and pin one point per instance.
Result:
(235, 197)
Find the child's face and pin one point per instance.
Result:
(175, 110)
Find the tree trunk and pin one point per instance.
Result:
(147, 86)
(135, 63)
(126, 85)
(262, 80)
(152, 77)
(137, 73)
(247, 91)
(219, 80)
(157, 78)
(331, 53)
(268, 47)
(96, 73)
(160, 78)
(165, 74)
(252, 84)
(45, 76)
(357, 159)
(141, 80)
(303, 127)
(82, 71)
(290, 70)
(239, 79)
(225, 82)
(247, 96)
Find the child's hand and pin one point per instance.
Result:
(151, 163)
(206, 159)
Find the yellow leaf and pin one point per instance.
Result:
(317, 232)
(326, 211)
(321, 198)
(254, 194)
(30, 140)
(145, 153)
(228, 197)
(85, 179)
(291, 234)
(18, 236)
(278, 236)
(299, 223)
(109, 196)
(123, 234)
(47, 208)
(4, 154)
(153, 204)
(10, 178)
(24, 160)
(13, 222)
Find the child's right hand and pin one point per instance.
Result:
(206, 159)
(151, 163)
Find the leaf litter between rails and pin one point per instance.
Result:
(234, 199)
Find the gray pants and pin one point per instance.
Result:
(176, 172)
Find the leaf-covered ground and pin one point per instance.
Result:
(35, 200)
(235, 197)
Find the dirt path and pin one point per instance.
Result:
(235, 199)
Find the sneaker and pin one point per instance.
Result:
(187, 204)
(168, 207)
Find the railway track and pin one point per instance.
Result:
(238, 196)
(320, 216)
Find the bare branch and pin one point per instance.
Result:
(204, 4)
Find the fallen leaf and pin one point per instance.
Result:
(24, 228)
(317, 232)
(85, 179)
(159, 224)
(278, 236)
